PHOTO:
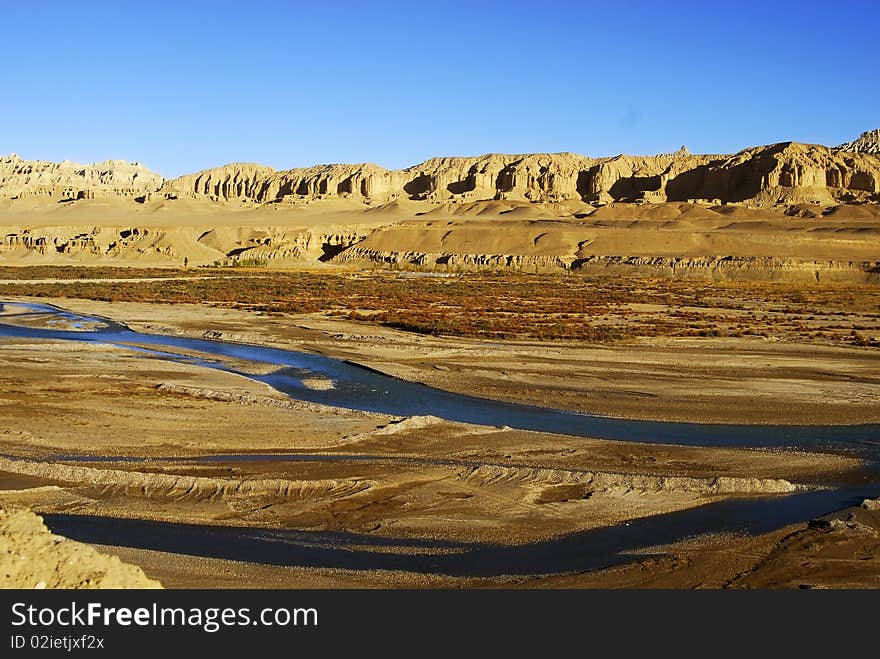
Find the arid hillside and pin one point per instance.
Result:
(782, 210)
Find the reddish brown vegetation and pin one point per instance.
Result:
(500, 306)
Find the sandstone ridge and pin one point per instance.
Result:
(761, 176)
(868, 142)
(787, 210)
(68, 181)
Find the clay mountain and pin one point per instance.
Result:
(785, 210)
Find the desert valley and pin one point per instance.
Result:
(543, 370)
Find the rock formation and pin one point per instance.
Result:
(236, 180)
(63, 181)
(169, 245)
(868, 142)
(702, 214)
(761, 176)
(679, 241)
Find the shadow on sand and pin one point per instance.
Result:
(577, 552)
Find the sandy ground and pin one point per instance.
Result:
(423, 476)
(419, 478)
(837, 551)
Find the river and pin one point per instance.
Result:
(359, 388)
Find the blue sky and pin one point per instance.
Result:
(181, 86)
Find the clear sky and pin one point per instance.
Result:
(182, 86)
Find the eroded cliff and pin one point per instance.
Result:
(868, 142)
(761, 176)
(68, 181)
(792, 208)
(175, 246)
